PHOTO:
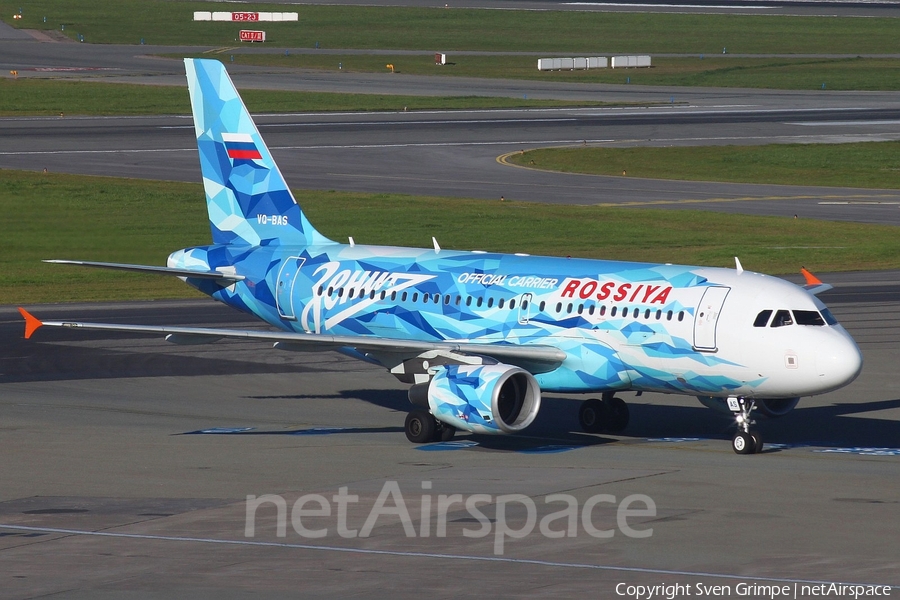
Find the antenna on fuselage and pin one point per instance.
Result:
(352, 243)
(738, 266)
(437, 248)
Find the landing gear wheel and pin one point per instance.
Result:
(618, 415)
(593, 415)
(420, 426)
(742, 443)
(444, 432)
(757, 442)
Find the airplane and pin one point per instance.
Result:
(480, 336)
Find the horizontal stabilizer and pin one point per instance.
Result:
(229, 277)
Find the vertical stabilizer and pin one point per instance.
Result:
(248, 200)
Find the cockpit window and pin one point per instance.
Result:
(808, 317)
(782, 318)
(762, 319)
(829, 318)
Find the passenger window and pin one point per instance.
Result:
(808, 317)
(782, 318)
(762, 319)
(580, 308)
(569, 309)
(424, 298)
(447, 299)
(542, 305)
(490, 302)
(383, 294)
(558, 306)
(647, 314)
(669, 316)
(468, 300)
(591, 309)
(480, 302)
(500, 303)
(612, 313)
(658, 314)
(603, 310)
(512, 304)
(394, 296)
(681, 315)
(415, 297)
(403, 297)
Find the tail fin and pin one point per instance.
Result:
(248, 200)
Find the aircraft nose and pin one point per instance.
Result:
(838, 362)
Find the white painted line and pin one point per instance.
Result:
(464, 557)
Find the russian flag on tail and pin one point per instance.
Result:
(240, 146)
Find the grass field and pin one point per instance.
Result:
(135, 221)
(52, 97)
(441, 29)
(717, 71)
(865, 165)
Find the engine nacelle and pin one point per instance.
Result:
(484, 398)
(770, 407)
(776, 407)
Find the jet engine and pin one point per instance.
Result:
(494, 398)
(770, 407)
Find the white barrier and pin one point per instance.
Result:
(623, 62)
(245, 17)
(558, 64)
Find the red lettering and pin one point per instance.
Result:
(573, 285)
(605, 290)
(623, 291)
(634, 295)
(587, 290)
(649, 291)
(662, 296)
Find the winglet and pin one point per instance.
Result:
(810, 278)
(814, 285)
(31, 322)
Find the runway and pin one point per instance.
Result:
(451, 153)
(101, 436)
(128, 461)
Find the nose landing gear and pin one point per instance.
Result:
(745, 441)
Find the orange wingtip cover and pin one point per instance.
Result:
(31, 322)
(810, 278)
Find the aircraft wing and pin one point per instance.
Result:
(814, 285)
(539, 359)
(217, 275)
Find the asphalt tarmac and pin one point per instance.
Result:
(128, 461)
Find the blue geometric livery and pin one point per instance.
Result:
(479, 336)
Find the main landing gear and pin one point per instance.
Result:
(607, 414)
(745, 440)
(421, 428)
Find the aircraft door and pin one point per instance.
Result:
(707, 316)
(525, 309)
(287, 277)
